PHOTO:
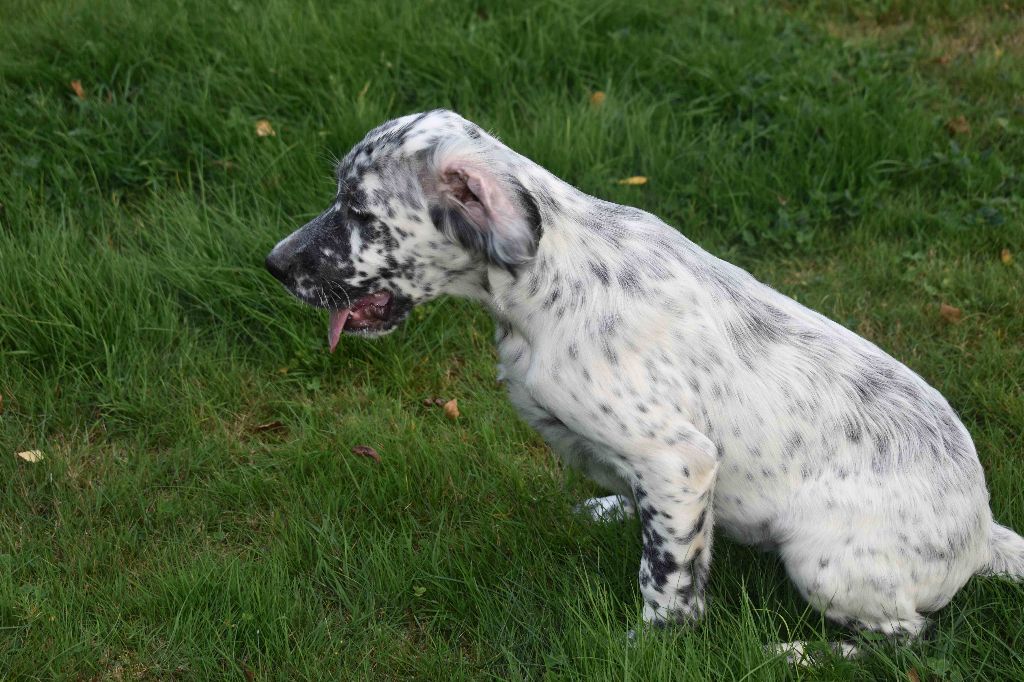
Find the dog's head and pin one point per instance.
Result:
(424, 205)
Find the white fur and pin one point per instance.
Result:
(705, 397)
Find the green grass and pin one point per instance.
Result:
(164, 536)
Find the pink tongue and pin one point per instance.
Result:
(334, 327)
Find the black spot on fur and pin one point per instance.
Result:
(551, 421)
(600, 270)
(529, 206)
(552, 297)
(694, 531)
(852, 430)
(630, 283)
(661, 564)
(534, 285)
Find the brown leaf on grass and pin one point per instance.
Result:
(76, 87)
(451, 409)
(366, 451)
(633, 180)
(597, 98)
(1, 403)
(912, 675)
(958, 126)
(264, 129)
(1004, 256)
(275, 425)
(31, 455)
(951, 314)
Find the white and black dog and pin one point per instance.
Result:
(700, 396)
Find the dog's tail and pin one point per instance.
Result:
(1007, 554)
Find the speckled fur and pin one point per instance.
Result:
(707, 399)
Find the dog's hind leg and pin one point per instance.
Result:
(863, 577)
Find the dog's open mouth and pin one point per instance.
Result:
(368, 314)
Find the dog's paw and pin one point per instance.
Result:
(606, 509)
(807, 654)
(681, 614)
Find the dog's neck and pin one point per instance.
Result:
(559, 281)
(585, 244)
(504, 299)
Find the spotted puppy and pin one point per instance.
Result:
(700, 396)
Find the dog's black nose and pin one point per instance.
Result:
(276, 268)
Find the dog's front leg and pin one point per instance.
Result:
(674, 491)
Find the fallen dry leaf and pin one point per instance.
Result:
(269, 426)
(912, 676)
(633, 180)
(597, 98)
(1004, 256)
(958, 126)
(366, 451)
(451, 409)
(31, 455)
(79, 91)
(264, 129)
(950, 313)
(1, 403)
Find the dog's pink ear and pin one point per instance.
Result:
(486, 212)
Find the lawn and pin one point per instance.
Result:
(198, 513)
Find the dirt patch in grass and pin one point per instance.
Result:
(944, 40)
